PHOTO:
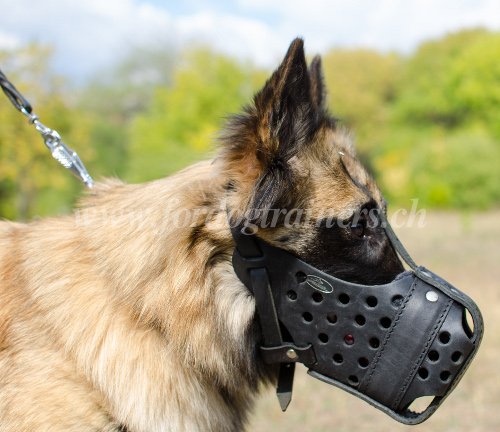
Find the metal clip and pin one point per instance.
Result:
(63, 154)
(66, 156)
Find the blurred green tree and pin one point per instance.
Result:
(443, 169)
(472, 84)
(448, 79)
(114, 97)
(442, 143)
(459, 169)
(182, 122)
(362, 86)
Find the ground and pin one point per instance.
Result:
(464, 249)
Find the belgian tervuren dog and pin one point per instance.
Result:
(127, 315)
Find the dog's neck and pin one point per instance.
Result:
(176, 233)
(163, 286)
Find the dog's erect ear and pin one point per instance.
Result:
(284, 107)
(286, 120)
(261, 142)
(318, 91)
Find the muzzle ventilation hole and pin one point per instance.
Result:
(344, 298)
(307, 317)
(374, 342)
(397, 300)
(317, 297)
(385, 322)
(360, 320)
(323, 338)
(445, 376)
(338, 359)
(301, 277)
(433, 356)
(456, 357)
(423, 373)
(372, 301)
(332, 318)
(292, 295)
(363, 362)
(353, 380)
(444, 338)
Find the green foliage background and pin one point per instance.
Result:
(426, 124)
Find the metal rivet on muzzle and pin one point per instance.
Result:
(291, 354)
(349, 339)
(432, 296)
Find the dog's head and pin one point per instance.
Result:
(295, 177)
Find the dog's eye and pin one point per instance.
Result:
(358, 228)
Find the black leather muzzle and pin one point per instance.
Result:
(387, 344)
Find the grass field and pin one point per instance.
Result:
(465, 249)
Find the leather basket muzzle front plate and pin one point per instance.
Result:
(388, 344)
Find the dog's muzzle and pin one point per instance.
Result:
(387, 344)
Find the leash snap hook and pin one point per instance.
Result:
(66, 156)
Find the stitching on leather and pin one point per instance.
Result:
(388, 336)
(417, 362)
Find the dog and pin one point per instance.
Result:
(127, 315)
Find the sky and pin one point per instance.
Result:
(90, 35)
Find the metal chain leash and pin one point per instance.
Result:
(66, 156)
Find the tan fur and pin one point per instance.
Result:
(124, 313)
(95, 307)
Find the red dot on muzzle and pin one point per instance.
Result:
(349, 339)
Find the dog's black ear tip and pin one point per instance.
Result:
(316, 62)
(317, 85)
(296, 49)
(297, 43)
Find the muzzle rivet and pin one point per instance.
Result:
(432, 296)
(349, 339)
(291, 354)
